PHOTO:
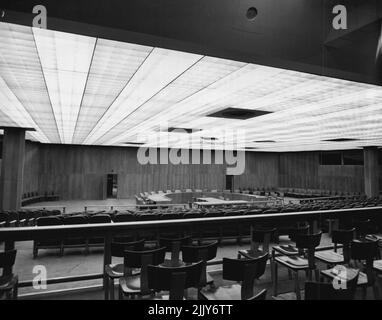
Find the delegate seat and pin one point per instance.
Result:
(332, 257)
(173, 245)
(137, 285)
(76, 241)
(48, 243)
(362, 257)
(326, 291)
(173, 280)
(8, 282)
(116, 271)
(302, 260)
(245, 271)
(206, 252)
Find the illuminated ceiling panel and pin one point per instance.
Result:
(83, 90)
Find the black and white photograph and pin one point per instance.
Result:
(202, 151)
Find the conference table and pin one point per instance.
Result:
(158, 198)
(213, 202)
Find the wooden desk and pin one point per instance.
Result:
(158, 198)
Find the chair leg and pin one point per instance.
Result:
(376, 292)
(35, 251)
(15, 291)
(317, 275)
(364, 293)
(112, 289)
(297, 286)
(120, 295)
(290, 277)
(106, 286)
(275, 276)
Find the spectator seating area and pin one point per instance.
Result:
(35, 197)
(238, 232)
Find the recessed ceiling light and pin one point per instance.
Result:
(239, 114)
(210, 138)
(341, 140)
(134, 143)
(182, 130)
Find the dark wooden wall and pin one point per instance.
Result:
(31, 168)
(302, 170)
(79, 172)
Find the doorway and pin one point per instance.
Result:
(229, 183)
(112, 186)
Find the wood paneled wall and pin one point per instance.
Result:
(261, 171)
(302, 170)
(31, 167)
(79, 172)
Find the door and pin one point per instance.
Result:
(112, 186)
(229, 183)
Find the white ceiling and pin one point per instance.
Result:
(80, 90)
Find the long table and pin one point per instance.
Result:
(159, 198)
(213, 202)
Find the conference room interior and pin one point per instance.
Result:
(138, 166)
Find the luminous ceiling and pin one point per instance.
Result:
(80, 90)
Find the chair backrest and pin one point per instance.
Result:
(174, 280)
(246, 271)
(78, 219)
(213, 214)
(137, 259)
(49, 221)
(147, 216)
(253, 212)
(344, 237)
(326, 291)
(169, 243)
(124, 217)
(7, 260)
(299, 230)
(173, 245)
(261, 236)
(142, 259)
(308, 241)
(260, 296)
(207, 252)
(100, 218)
(364, 250)
(170, 216)
(363, 227)
(118, 248)
(192, 215)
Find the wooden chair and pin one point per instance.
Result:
(332, 257)
(78, 241)
(174, 280)
(173, 245)
(116, 271)
(326, 291)
(48, 243)
(96, 219)
(137, 285)
(302, 261)
(259, 237)
(362, 257)
(8, 282)
(245, 271)
(192, 254)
